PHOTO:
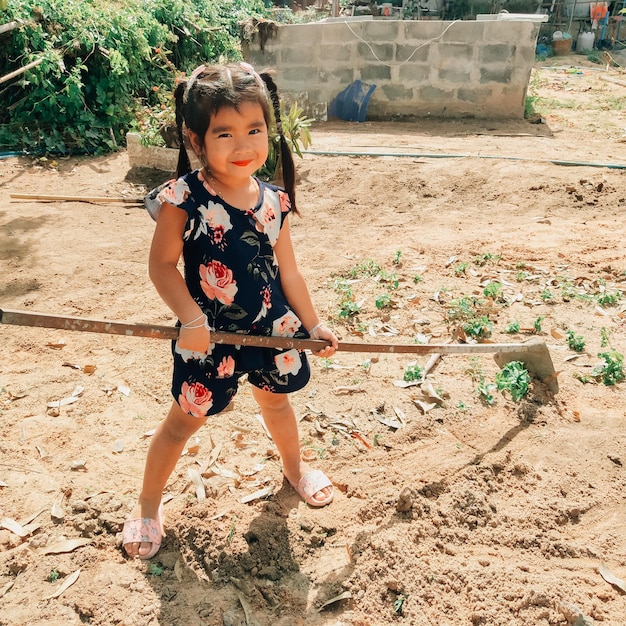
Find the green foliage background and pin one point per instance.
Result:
(103, 61)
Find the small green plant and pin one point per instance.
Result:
(368, 267)
(231, 531)
(396, 257)
(537, 324)
(575, 342)
(493, 290)
(348, 308)
(515, 379)
(460, 268)
(413, 372)
(156, 569)
(485, 390)
(512, 328)
(53, 576)
(461, 406)
(417, 278)
(483, 259)
(391, 279)
(398, 604)
(298, 136)
(608, 298)
(547, 295)
(478, 327)
(612, 368)
(383, 301)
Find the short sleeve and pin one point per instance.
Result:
(173, 192)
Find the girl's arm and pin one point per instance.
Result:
(296, 291)
(165, 251)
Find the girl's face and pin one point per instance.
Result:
(236, 142)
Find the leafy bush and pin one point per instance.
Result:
(101, 62)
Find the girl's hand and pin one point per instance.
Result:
(323, 332)
(196, 337)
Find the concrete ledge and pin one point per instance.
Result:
(155, 157)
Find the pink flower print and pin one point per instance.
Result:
(226, 368)
(217, 219)
(217, 282)
(195, 399)
(288, 362)
(175, 193)
(266, 216)
(192, 355)
(286, 326)
(285, 202)
(266, 303)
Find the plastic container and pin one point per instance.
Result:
(585, 42)
(386, 9)
(561, 47)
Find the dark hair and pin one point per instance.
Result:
(213, 87)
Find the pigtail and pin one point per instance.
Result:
(286, 158)
(184, 166)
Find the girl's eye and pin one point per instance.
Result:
(223, 135)
(255, 131)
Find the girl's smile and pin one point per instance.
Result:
(235, 144)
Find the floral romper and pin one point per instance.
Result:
(232, 273)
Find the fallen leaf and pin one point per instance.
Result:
(118, 446)
(256, 495)
(123, 390)
(390, 423)
(149, 433)
(196, 479)
(57, 344)
(425, 406)
(68, 582)
(557, 334)
(6, 588)
(78, 464)
(89, 369)
(429, 390)
(57, 512)
(67, 545)
(610, 577)
(348, 389)
(342, 596)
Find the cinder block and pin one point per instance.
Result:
(372, 73)
(496, 53)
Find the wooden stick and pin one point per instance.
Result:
(96, 200)
(5, 28)
(610, 79)
(30, 66)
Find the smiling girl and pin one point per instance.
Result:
(240, 275)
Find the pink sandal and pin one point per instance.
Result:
(310, 484)
(144, 530)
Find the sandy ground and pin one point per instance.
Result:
(453, 507)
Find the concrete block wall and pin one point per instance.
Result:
(420, 68)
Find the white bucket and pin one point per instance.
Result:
(585, 42)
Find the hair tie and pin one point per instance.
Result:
(246, 67)
(191, 81)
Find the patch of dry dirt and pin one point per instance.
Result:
(466, 513)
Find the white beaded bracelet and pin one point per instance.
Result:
(313, 332)
(192, 323)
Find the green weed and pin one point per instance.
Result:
(515, 379)
(575, 342)
(383, 301)
(512, 327)
(413, 372)
(612, 368)
(396, 257)
(460, 268)
(493, 290)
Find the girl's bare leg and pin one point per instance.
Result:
(280, 420)
(165, 449)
